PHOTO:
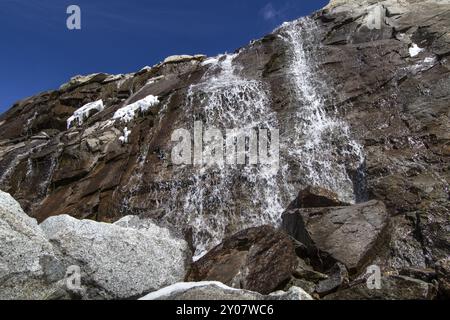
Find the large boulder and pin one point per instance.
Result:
(259, 259)
(211, 290)
(118, 261)
(349, 235)
(27, 260)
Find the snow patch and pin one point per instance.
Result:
(126, 134)
(128, 113)
(184, 286)
(155, 79)
(80, 115)
(146, 68)
(414, 50)
(210, 61)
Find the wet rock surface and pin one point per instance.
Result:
(399, 111)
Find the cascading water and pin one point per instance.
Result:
(319, 142)
(315, 146)
(43, 173)
(227, 197)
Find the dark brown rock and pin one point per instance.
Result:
(306, 272)
(443, 276)
(337, 279)
(316, 197)
(350, 235)
(405, 156)
(427, 275)
(259, 259)
(392, 288)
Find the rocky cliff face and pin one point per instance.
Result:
(360, 92)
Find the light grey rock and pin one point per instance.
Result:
(294, 293)
(183, 58)
(118, 262)
(25, 255)
(84, 79)
(213, 290)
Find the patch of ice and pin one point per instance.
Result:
(184, 286)
(414, 50)
(128, 112)
(80, 115)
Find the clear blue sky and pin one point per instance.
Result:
(39, 53)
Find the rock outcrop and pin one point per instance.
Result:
(360, 92)
(259, 259)
(400, 99)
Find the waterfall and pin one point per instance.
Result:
(316, 147)
(45, 174)
(320, 142)
(5, 176)
(226, 198)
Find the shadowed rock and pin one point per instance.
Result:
(392, 288)
(349, 235)
(259, 259)
(316, 197)
(443, 275)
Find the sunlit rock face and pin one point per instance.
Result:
(359, 92)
